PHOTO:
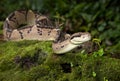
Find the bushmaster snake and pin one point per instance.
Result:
(29, 25)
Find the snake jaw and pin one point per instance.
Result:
(79, 38)
(74, 41)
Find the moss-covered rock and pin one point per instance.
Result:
(35, 61)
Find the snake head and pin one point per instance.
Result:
(80, 37)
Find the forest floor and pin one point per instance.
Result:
(35, 61)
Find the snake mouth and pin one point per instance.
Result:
(80, 41)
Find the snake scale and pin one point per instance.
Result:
(29, 25)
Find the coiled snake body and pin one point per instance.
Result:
(28, 25)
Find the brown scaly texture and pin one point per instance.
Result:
(29, 25)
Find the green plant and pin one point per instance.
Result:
(100, 53)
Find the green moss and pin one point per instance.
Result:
(109, 70)
(103, 67)
(1, 27)
(35, 61)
